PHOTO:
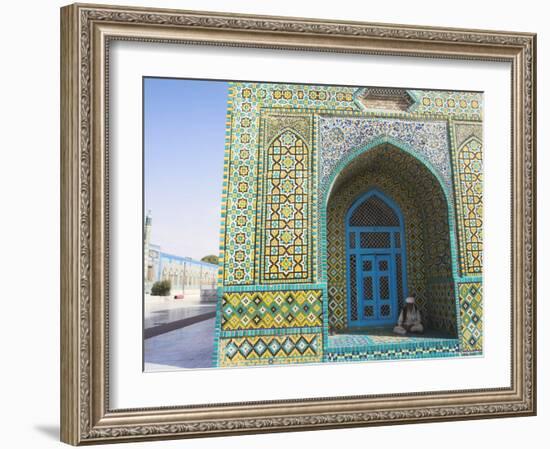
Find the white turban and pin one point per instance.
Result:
(410, 300)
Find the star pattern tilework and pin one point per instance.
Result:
(470, 186)
(287, 146)
(287, 206)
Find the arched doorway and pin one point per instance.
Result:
(406, 188)
(375, 256)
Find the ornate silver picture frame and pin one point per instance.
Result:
(87, 35)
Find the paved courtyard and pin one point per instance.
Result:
(161, 310)
(178, 333)
(188, 347)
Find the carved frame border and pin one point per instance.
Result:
(86, 31)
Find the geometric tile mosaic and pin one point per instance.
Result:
(267, 349)
(339, 137)
(441, 310)
(242, 159)
(239, 195)
(283, 143)
(449, 103)
(378, 344)
(245, 105)
(286, 243)
(383, 335)
(414, 350)
(471, 314)
(470, 186)
(271, 309)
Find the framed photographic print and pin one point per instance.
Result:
(286, 224)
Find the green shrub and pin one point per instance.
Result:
(210, 259)
(161, 288)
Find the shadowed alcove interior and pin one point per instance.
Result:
(408, 183)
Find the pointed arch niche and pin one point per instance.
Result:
(410, 187)
(286, 239)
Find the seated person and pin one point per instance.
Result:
(409, 318)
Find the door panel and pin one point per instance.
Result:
(377, 292)
(368, 288)
(374, 255)
(386, 288)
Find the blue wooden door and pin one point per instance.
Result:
(367, 288)
(377, 290)
(375, 259)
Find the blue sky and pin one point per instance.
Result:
(184, 137)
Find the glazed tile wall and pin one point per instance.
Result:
(282, 278)
(271, 309)
(285, 232)
(242, 162)
(271, 349)
(471, 316)
(341, 137)
(468, 163)
(425, 211)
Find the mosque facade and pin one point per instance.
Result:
(338, 203)
(187, 276)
